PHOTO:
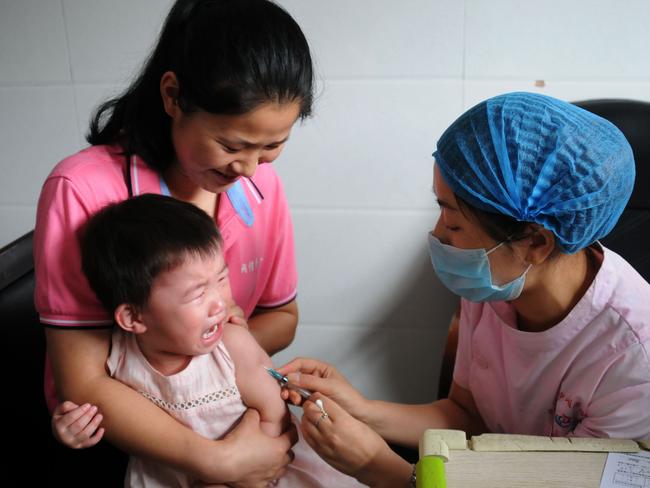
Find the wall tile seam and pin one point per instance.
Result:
(590, 80)
(13, 205)
(367, 326)
(377, 81)
(412, 211)
(390, 80)
(481, 78)
(55, 83)
(36, 84)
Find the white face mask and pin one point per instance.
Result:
(466, 272)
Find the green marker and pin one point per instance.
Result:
(430, 469)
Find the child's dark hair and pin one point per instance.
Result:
(126, 245)
(229, 56)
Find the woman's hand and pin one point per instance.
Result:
(77, 427)
(318, 376)
(351, 446)
(257, 459)
(239, 321)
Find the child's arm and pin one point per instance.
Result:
(258, 390)
(77, 427)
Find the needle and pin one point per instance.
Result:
(284, 381)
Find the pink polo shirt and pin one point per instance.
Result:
(588, 376)
(253, 218)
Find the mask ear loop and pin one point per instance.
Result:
(495, 247)
(508, 239)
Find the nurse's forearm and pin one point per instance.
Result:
(387, 470)
(404, 424)
(275, 328)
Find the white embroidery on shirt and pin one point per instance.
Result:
(213, 397)
(251, 266)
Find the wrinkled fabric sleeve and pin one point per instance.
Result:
(63, 297)
(620, 407)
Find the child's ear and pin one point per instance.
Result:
(129, 318)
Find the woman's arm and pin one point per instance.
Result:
(139, 427)
(274, 328)
(404, 424)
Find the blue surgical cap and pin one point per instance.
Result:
(539, 159)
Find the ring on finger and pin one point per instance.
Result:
(323, 416)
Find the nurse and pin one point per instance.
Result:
(554, 334)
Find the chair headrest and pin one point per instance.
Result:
(632, 117)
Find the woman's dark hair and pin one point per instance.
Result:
(126, 245)
(501, 228)
(229, 57)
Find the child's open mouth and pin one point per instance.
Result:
(211, 331)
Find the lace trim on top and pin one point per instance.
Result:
(213, 397)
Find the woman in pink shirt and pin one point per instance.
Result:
(216, 99)
(554, 335)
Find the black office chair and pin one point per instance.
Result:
(31, 454)
(631, 236)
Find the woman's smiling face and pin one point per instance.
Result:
(212, 150)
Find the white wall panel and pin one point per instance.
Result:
(110, 40)
(369, 268)
(88, 98)
(581, 39)
(32, 42)
(383, 38)
(15, 221)
(369, 144)
(392, 365)
(478, 90)
(38, 128)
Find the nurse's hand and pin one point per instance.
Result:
(351, 446)
(318, 376)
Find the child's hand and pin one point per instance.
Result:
(77, 427)
(236, 320)
(235, 310)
